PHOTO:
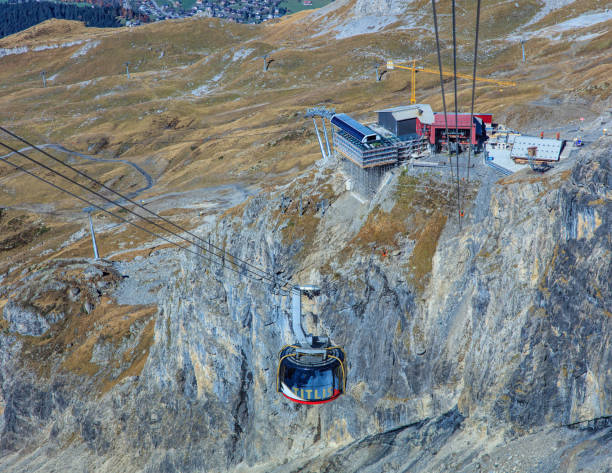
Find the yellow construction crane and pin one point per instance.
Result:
(414, 69)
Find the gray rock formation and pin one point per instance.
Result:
(381, 7)
(480, 349)
(26, 320)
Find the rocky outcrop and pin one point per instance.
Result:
(26, 320)
(381, 7)
(539, 287)
(462, 344)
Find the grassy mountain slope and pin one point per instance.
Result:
(205, 124)
(198, 109)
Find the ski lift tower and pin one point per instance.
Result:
(323, 113)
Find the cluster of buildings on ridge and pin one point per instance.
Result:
(415, 131)
(239, 11)
(246, 11)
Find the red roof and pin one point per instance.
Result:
(463, 120)
(486, 117)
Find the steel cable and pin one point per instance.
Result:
(456, 114)
(237, 268)
(435, 18)
(474, 83)
(20, 168)
(246, 263)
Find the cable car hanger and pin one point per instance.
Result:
(312, 370)
(309, 372)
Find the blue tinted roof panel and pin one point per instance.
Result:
(354, 128)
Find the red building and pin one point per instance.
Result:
(411, 122)
(461, 131)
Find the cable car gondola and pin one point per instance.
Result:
(311, 371)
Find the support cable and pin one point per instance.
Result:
(210, 245)
(456, 114)
(237, 268)
(55, 186)
(200, 255)
(435, 18)
(474, 84)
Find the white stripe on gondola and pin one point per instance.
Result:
(289, 393)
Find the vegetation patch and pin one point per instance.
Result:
(134, 359)
(300, 212)
(298, 216)
(301, 227)
(381, 229)
(4, 325)
(550, 265)
(236, 211)
(418, 200)
(16, 17)
(109, 325)
(597, 45)
(89, 335)
(19, 230)
(422, 206)
(22, 238)
(426, 242)
(130, 255)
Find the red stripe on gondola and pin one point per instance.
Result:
(336, 394)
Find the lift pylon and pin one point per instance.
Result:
(322, 113)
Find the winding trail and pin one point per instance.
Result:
(149, 180)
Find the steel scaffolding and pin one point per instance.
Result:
(366, 181)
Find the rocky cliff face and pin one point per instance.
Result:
(464, 345)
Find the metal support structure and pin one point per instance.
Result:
(413, 79)
(296, 313)
(326, 138)
(391, 65)
(366, 181)
(532, 152)
(93, 237)
(380, 72)
(323, 113)
(333, 133)
(314, 120)
(127, 69)
(44, 78)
